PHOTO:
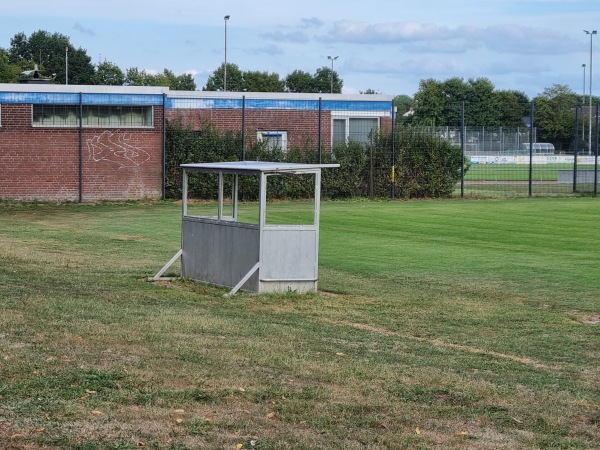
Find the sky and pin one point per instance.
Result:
(388, 46)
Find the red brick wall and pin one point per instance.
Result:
(301, 126)
(42, 163)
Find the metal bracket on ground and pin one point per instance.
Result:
(243, 280)
(158, 276)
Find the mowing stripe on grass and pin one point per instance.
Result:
(439, 343)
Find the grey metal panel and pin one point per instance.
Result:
(289, 254)
(219, 252)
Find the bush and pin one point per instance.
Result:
(425, 166)
(185, 145)
(348, 180)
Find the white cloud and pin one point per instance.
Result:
(192, 72)
(525, 40)
(369, 33)
(312, 22)
(269, 50)
(389, 47)
(292, 36)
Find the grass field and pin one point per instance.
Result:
(512, 180)
(439, 325)
(519, 172)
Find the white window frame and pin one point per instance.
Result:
(347, 115)
(264, 135)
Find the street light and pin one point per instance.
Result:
(332, 58)
(591, 33)
(225, 65)
(582, 105)
(66, 65)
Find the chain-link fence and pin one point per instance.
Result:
(531, 161)
(383, 153)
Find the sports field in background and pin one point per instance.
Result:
(519, 172)
(456, 324)
(512, 180)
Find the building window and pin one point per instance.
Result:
(93, 116)
(274, 140)
(339, 131)
(55, 116)
(354, 129)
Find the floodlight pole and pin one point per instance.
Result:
(226, 18)
(583, 105)
(332, 58)
(591, 33)
(66, 65)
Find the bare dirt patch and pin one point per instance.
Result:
(589, 320)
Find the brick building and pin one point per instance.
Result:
(85, 143)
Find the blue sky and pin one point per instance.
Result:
(385, 45)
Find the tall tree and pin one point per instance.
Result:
(323, 79)
(235, 79)
(481, 108)
(50, 51)
(109, 74)
(554, 115)
(262, 82)
(184, 82)
(439, 103)
(403, 104)
(429, 103)
(513, 106)
(299, 81)
(455, 91)
(9, 73)
(137, 77)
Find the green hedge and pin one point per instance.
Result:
(426, 166)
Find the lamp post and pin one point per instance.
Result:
(582, 105)
(66, 65)
(332, 58)
(226, 18)
(591, 33)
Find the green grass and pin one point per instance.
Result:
(512, 180)
(518, 172)
(440, 324)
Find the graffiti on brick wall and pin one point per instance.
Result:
(116, 147)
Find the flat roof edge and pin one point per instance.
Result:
(102, 89)
(82, 88)
(254, 167)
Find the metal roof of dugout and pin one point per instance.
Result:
(258, 257)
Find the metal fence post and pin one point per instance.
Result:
(243, 128)
(164, 148)
(371, 181)
(81, 147)
(576, 149)
(531, 152)
(596, 151)
(393, 186)
(320, 131)
(462, 146)
(578, 112)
